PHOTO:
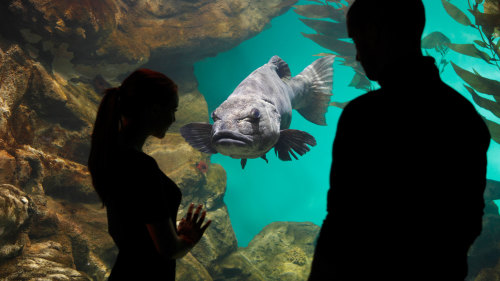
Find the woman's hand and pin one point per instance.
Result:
(190, 228)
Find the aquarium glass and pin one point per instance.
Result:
(266, 216)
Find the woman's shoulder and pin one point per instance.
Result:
(132, 160)
(128, 154)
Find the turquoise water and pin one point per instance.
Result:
(296, 190)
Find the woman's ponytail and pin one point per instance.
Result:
(104, 139)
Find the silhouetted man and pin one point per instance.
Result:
(409, 162)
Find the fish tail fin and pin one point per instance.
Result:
(313, 90)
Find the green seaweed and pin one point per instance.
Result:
(486, 48)
(342, 48)
(456, 13)
(328, 28)
(470, 50)
(494, 129)
(488, 104)
(319, 11)
(359, 81)
(328, 20)
(479, 83)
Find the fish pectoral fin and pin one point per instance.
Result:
(199, 136)
(291, 141)
(264, 157)
(243, 163)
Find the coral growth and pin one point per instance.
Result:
(202, 166)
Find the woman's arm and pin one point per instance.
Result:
(174, 245)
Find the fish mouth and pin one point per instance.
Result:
(227, 137)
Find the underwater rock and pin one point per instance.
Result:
(42, 110)
(484, 255)
(44, 224)
(14, 74)
(45, 126)
(216, 186)
(14, 215)
(488, 274)
(7, 167)
(81, 229)
(237, 267)
(189, 268)
(85, 226)
(45, 174)
(281, 251)
(113, 37)
(29, 171)
(47, 100)
(219, 240)
(70, 181)
(47, 260)
(192, 108)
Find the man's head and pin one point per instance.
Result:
(385, 32)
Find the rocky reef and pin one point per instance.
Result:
(281, 251)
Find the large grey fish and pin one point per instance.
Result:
(257, 115)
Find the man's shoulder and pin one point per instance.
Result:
(366, 101)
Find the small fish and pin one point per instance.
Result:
(256, 117)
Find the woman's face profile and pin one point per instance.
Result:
(162, 118)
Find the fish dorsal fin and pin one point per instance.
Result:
(281, 67)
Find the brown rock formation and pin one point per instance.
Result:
(14, 215)
(40, 111)
(484, 255)
(48, 260)
(281, 251)
(189, 268)
(112, 37)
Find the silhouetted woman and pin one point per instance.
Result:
(141, 202)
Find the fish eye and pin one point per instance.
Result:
(255, 113)
(214, 117)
